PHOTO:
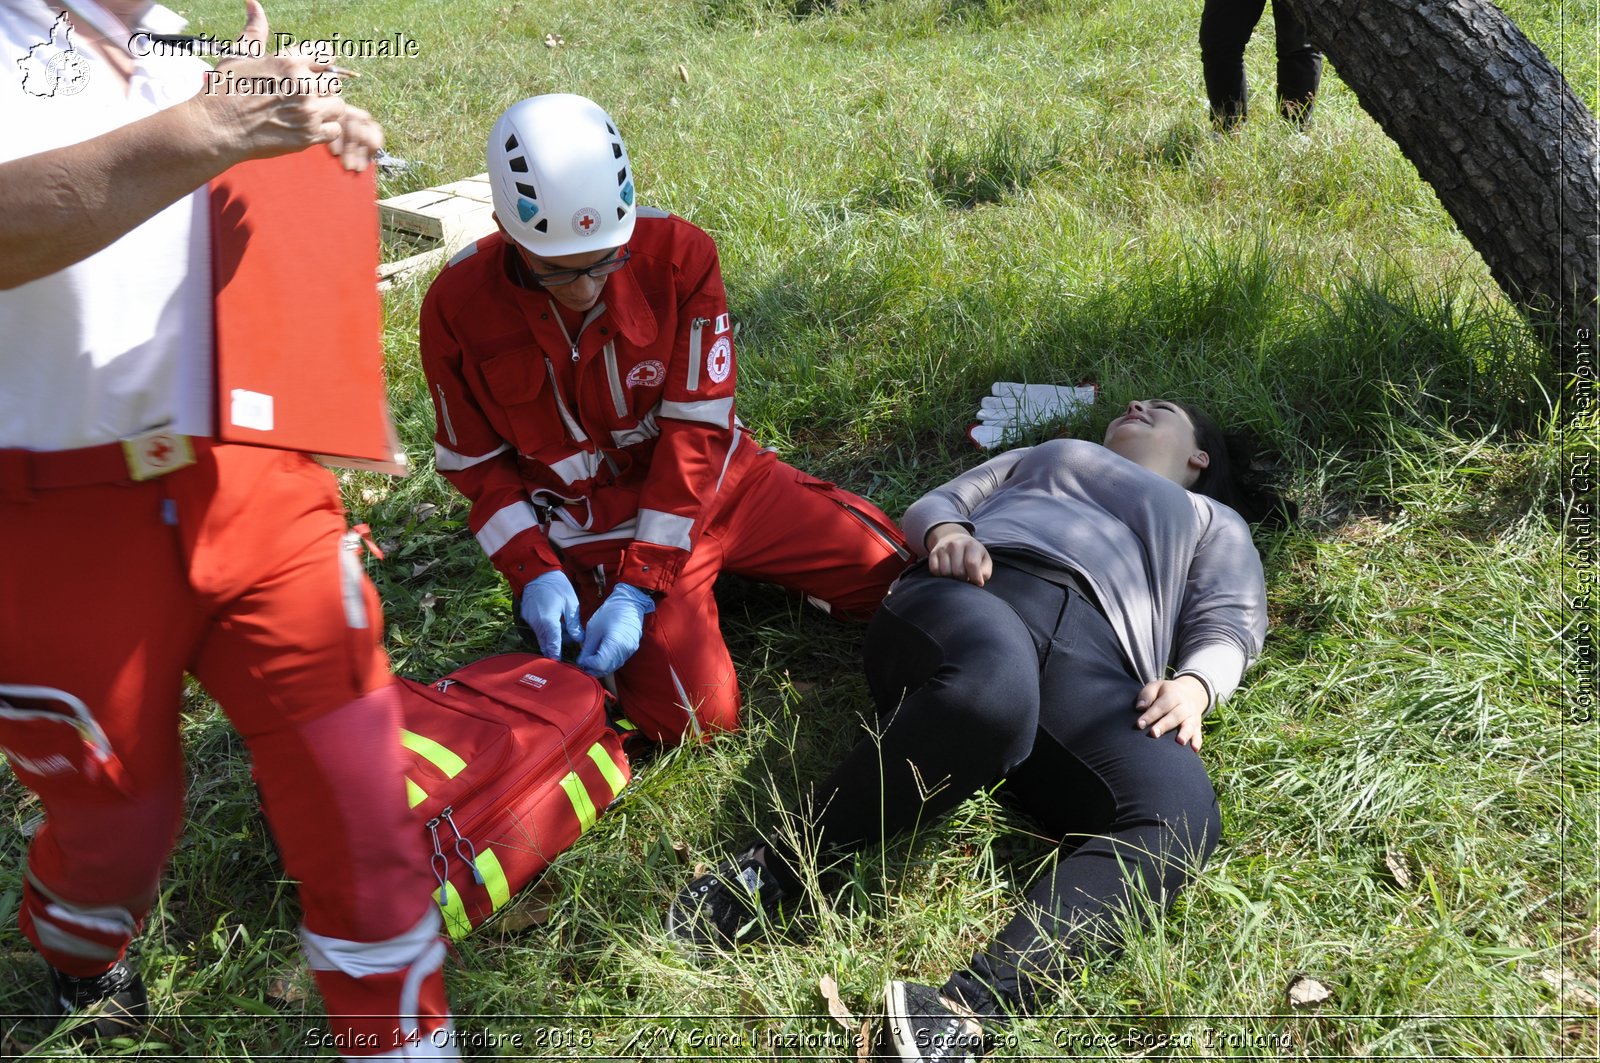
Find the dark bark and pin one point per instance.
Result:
(1490, 123)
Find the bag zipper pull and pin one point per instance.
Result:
(441, 864)
(471, 855)
(574, 354)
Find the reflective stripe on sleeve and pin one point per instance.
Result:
(707, 411)
(506, 525)
(645, 429)
(565, 537)
(664, 529)
(447, 460)
(575, 467)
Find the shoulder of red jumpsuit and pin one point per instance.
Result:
(474, 288)
(669, 260)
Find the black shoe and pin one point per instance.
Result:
(920, 1024)
(733, 903)
(113, 1004)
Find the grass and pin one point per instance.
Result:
(914, 198)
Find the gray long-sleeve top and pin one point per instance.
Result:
(1175, 572)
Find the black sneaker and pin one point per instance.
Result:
(113, 1004)
(732, 903)
(920, 1024)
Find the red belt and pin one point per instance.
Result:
(144, 458)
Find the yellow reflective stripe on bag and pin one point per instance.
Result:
(608, 768)
(433, 753)
(580, 801)
(494, 881)
(455, 914)
(494, 878)
(415, 794)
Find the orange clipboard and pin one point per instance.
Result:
(298, 318)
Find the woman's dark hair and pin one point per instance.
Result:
(1231, 478)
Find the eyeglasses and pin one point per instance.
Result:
(556, 278)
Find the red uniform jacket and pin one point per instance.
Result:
(621, 432)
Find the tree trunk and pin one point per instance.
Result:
(1490, 123)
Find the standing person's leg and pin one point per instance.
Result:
(94, 632)
(1141, 810)
(787, 527)
(1299, 65)
(294, 657)
(1225, 28)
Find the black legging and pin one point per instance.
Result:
(1225, 28)
(1023, 678)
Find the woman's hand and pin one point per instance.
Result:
(1173, 705)
(953, 552)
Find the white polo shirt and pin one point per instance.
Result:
(119, 342)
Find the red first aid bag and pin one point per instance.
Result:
(509, 760)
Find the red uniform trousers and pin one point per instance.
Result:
(238, 569)
(771, 523)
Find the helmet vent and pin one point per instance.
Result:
(616, 150)
(519, 165)
(543, 225)
(511, 143)
(527, 190)
(612, 130)
(622, 177)
(621, 213)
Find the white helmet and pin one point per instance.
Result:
(560, 176)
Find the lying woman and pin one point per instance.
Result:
(1081, 609)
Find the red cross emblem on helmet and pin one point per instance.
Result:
(586, 222)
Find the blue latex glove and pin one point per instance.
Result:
(550, 606)
(615, 629)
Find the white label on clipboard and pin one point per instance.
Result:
(251, 409)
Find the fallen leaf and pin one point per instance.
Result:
(1306, 992)
(701, 869)
(836, 1008)
(389, 546)
(287, 987)
(681, 852)
(424, 510)
(683, 72)
(553, 40)
(422, 566)
(532, 907)
(371, 495)
(1396, 863)
(864, 1041)
(428, 601)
